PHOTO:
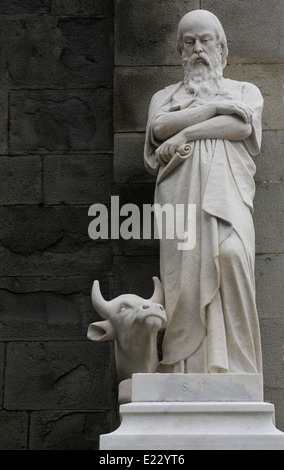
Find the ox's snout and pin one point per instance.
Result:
(153, 307)
(150, 310)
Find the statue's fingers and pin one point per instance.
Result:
(172, 151)
(166, 154)
(247, 111)
(163, 155)
(158, 156)
(249, 114)
(242, 112)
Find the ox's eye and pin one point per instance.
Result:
(123, 308)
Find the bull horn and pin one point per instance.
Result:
(158, 296)
(99, 303)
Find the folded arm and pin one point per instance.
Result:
(171, 123)
(232, 128)
(221, 127)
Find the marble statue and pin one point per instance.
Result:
(133, 324)
(206, 393)
(201, 135)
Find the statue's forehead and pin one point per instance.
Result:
(198, 21)
(201, 26)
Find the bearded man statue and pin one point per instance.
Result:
(210, 290)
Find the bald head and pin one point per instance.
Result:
(202, 22)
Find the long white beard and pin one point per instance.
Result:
(202, 79)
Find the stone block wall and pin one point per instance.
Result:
(146, 61)
(57, 389)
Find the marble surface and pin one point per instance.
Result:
(195, 426)
(210, 395)
(209, 290)
(133, 324)
(197, 387)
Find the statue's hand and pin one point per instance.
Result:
(167, 150)
(235, 107)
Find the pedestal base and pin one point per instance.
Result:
(195, 425)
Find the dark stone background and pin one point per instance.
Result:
(58, 157)
(57, 389)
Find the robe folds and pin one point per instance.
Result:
(210, 290)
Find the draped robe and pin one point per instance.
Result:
(210, 290)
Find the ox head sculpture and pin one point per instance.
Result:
(133, 323)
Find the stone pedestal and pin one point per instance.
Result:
(196, 412)
(197, 387)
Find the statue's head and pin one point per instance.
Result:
(200, 29)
